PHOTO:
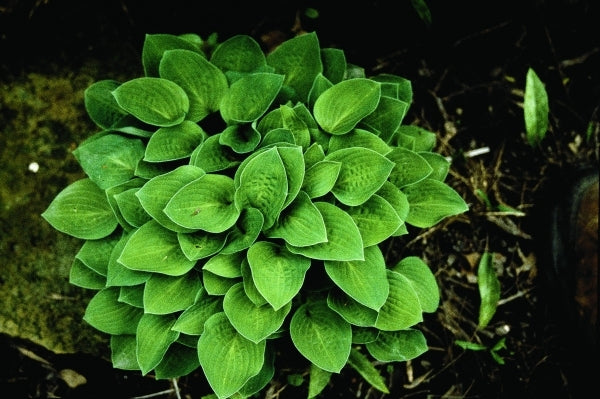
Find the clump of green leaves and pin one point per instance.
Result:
(234, 197)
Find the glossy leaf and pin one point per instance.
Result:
(169, 294)
(398, 346)
(376, 219)
(174, 142)
(402, 308)
(320, 178)
(249, 97)
(362, 173)
(81, 210)
(277, 273)
(350, 310)
(206, 203)
(227, 358)
(240, 53)
(536, 109)
(154, 336)
(155, 46)
(152, 248)
(105, 313)
(489, 289)
(155, 101)
(101, 106)
(431, 201)
(200, 244)
(410, 167)
(321, 335)
(422, 280)
(191, 321)
(339, 108)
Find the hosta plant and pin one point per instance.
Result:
(235, 200)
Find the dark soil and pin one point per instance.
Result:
(468, 73)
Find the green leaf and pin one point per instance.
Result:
(169, 294)
(439, 165)
(299, 59)
(85, 277)
(95, 254)
(422, 11)
(300, 224)
(398, 346)
(410, 167)
(204, 83)
(257, 383)
(431, 201)
(263, 185)
(535, 107)
(159, 190)
(206, 203)
(249, 97)
(123, 352)
(334, 64)
(339, 108)
(101, 106)
(119, 275)
(179, 360)
(240, 53)
(225, 265)
(227, 358)
(402, 308)
(422, 280)
(105, 313)
(244, 232)
(321, 335)
(152, 248)
(253, 322)
(415, 138)
(81, 210)
(320, 178)
(277, 273)
(319, 379)
(489, 289)
(395, 86)
(154, 47)
(241, 139)
(110, 159)
(212, 156)
(129, 206)
(155, 101)
(364, 281)
(293, 162)
(387, 117)
(377, 220)
(217, 285)
(192, 320)
(362, 173)
(200, 244)
(132, 295)
(350, 310)
(174, 142)
(296, 125)
(344, 242)
(359, 138)
(367, 370)
(154, 336)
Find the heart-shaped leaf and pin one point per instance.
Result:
(104, 312)
(402, 308)
(431, 201)
(169, 294)
(423, 281)
(174, 142)
(398, 346)
(249, 97)
(154, 336)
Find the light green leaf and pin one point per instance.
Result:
(320, 178)
(263, 185)
(334, 64)
(300, 224)
(101, 106)
(299, 59)
(318, 380)
(377, 220)
(206, 203)
(174, 142)
(158, 191)
(191, 321)
(241, 139)
(179, 360)
(244, 232)
(201, 80)
(240, 53)
(129, 207)
(365, 281)
(169, 294)
(227, 358)
(105, 313)
(154, 47)
(415, 138)
(81, 210)
(387, 117)
(402, 308)
(155, 101)
(95, 254)
(257, 383)
(489, 289)
(359, 138)
(212, 156)
(350, 310)
(422, 280)
(293, 162)
(215, 284)
(153, 248)
(367, 370)
(85, 277)
(253, 322)
(398, 346)
(225, 265)
(339, 108)
(132, 295)
(277, 273)
(321, 335)
(362, 173)
(431, 201)
(295, 125)
(154, 336)
(439, 165)
(410, 167)
(200, 244)
(535, 107)
(119, 275)
(344, 242)
(123, 352)
(249, 97)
